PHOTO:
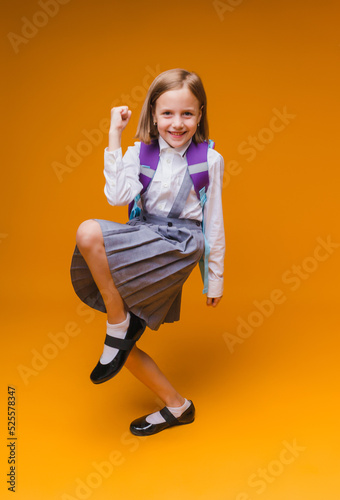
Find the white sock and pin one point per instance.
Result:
(156, 418)
(118, 330)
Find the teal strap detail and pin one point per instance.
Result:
(211, 144)
(135, 212)
(203, 197)
(203, 263)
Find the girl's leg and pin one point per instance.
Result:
(145, 369)
(90, 242)
(91, 245)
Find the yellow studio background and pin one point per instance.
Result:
(262, 369)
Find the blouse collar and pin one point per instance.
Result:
(164, 146)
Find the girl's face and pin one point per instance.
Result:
(177, 114)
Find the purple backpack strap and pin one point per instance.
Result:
(197, 158)
(197, 155)
(148, 158)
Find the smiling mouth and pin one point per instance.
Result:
(176, 134)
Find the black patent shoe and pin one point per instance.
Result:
(141, 427)
(102, 373)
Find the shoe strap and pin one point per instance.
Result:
(168, 416)
(121, 344)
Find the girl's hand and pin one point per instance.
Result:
(213, 301)
(120, 117)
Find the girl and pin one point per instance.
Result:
(135, 271)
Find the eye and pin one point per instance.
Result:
(167, 113)
(188, 113)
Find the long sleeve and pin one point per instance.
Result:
(122, 175)
(214, 227)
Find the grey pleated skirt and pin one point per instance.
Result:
(150, 258)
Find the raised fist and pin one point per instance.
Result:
(120, 117)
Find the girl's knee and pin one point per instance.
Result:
(88, 234)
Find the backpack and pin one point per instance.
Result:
(197, 159)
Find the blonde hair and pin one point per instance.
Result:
(172, 79)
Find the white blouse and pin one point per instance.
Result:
(122, 186)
